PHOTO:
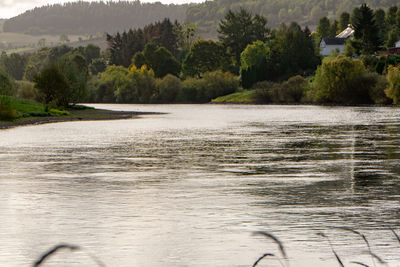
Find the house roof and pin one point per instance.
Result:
(334, 41)
(346, 33)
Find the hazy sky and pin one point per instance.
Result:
(11, 8)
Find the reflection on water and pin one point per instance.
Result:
(189, 187)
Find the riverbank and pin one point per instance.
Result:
(87, 114)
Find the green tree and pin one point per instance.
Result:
(336, 80)
(168, 88)
(380, 23)
(6, 84)
(366, 30)
(52, 86)
(204, 56)
(391, 15)
(159, 59)
(238, 29)
(344, 21)
(91, 52)
(323, 29)
(75, 69)
(393, 91)
(13, 65)
(253, 63)
(98, 65)
(334, 28)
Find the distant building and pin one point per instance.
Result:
(391, 50)
(328, 45)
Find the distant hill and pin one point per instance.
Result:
(306, 12)
(92, 17)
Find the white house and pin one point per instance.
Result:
(327, 45)
(397, 44)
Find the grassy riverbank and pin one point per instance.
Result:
(18, 112)
(244, 97)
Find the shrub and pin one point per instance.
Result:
(138, 86)
(212, 85)
(378, 84)
(393, 90)
(291, 91)
(6, 84)
(27, 90)
(7, 112)
(337, 80)
(168, 88)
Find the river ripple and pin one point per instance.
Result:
(189, 188)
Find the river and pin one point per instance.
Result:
(191, 186)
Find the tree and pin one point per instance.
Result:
(91, 52)
(380, 23)
(365, 29)
(204, 56)
(168, 88)
(165, 63)
(6, 84)
(334, 28)
(75, 69)
(159, 59)
(296, 50)
(393, 91)
(323, 28)
(238, 29)
(52, 86)
(13, 65)
(344, 21)
(253, 63)
(336, 80)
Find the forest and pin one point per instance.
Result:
(99, 17)
(305, 12)
(92, 17)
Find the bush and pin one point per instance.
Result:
(7, 112)
(288, 92)
(378, 84)
(212, 85)
(393, 90)
(6, 85)
(339, 80)
(168, 88)
(27, 90)
(138, 86)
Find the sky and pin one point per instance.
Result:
(11, 8)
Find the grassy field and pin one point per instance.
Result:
(244, 97)
(19, 43)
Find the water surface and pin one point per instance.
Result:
(189, 188)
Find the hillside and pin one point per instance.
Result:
(92, 17)
(306, 12)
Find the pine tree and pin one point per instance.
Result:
(365, 29)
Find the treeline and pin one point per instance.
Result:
(305, 12)
(167, 62)
(92, 17)
(374, 29)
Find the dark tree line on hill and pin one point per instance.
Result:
(92, 17)
(305, 12)
(123, 46)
